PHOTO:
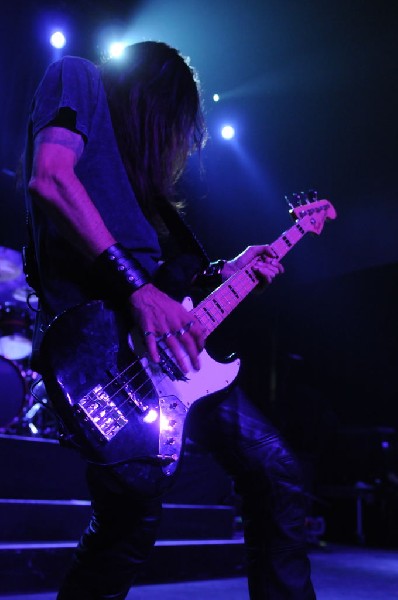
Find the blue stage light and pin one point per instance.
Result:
(58, 39)
(116, 49)
(228, 132)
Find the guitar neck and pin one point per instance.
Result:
(212, 311)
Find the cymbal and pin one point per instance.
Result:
(10, 264)
(23, 293)
(13, 286)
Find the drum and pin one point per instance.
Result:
(15, 332)
(12, 391)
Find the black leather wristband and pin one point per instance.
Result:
(119, 272)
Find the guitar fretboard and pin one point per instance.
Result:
(212, 311)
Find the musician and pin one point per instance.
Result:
(105, 148)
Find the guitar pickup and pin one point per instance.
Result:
(126, 388)
(102, 412)
(168, 366)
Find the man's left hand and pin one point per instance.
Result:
(266, 267)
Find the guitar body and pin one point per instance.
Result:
(123, 411)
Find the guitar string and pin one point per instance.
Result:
(239, 282)
(129, 381)
(209, 308)
(125, 384)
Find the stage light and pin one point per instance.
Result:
(116, 49)
(228, 132)
(216, 97)
(58, 40)
(151, 416)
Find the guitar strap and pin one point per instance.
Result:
(176, 274)
(189, 243)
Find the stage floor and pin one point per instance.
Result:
(338, 572)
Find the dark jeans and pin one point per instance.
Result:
(123, 529)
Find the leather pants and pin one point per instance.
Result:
(118, 540)
(123, 529)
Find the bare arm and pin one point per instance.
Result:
(60, 194)
(58, 191)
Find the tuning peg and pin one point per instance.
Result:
(289, 203)
(311, 196)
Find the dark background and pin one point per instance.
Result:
(311, 88)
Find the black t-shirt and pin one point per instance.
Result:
(75, 84)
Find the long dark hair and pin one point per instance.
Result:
(154, 100)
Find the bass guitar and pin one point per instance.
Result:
(124, 412)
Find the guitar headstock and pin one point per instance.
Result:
(309, 212)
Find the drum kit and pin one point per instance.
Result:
(24, 408)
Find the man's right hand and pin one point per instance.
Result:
(160, 317)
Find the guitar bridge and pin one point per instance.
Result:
(102, 412)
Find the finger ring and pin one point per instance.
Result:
(181, 332)
(166, 335)
(148, 333)
(189, 325)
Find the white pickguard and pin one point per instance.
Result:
(212, 376)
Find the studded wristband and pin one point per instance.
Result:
(120, 273)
